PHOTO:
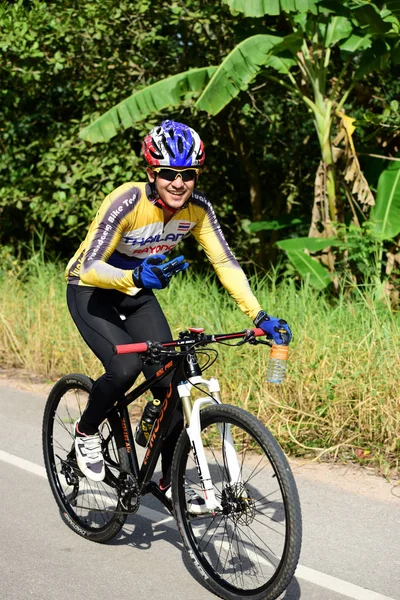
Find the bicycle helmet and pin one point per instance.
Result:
(173, 144)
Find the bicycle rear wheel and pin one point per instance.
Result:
(250, 548)
(91, 509)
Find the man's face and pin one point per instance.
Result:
(174, 193)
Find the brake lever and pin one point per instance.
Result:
(256, 341)
(153, 354)
(249, 338)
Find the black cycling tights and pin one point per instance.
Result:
(96, 313)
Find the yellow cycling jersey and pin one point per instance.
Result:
(129, 227)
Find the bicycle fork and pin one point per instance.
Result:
(193, 429)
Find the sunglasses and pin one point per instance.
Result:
(172, 174)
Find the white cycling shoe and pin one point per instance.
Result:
(89, 455)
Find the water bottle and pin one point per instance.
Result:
(145, 425)
(277, 363)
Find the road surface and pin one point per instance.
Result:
(351, 543)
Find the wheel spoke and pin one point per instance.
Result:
(94, 506)
(243, 546)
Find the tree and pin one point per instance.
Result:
(63, 63)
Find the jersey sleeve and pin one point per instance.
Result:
(104, 234)
(208, 234)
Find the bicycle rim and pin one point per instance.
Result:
(92, 509)
(250, 547)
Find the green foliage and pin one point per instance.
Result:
(62, 65)
(390, 117)
(259, 8)
(361, 257)
(309, 243)
(310, 269)
(275, 225)
(386, 212)
(167, 93)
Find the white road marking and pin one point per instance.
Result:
(27, 465)
(323, 580)
(338, 585)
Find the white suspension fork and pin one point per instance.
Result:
(192, 414)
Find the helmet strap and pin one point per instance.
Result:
(161, 204)
(155, 198)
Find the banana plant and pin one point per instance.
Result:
(384, 220)
(361, 34)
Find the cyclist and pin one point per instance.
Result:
(121, 261)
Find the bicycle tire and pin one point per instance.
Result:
(91, 509)
(264, 512)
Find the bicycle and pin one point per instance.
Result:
(248, 543)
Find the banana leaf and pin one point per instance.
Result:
(310, 269)
(259, 8)
(377, 57)
(236, 71)
(338, 28)
(370, 19)
(355, 43)
(312, 244)
(154, 98)
(275, 224)
(385, 215)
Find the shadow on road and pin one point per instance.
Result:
(140, 533)
(293, 592)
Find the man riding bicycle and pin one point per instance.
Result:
(120, 262)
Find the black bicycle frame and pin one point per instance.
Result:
(181, 372)
(182, 366)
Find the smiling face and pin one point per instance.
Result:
(173, 193)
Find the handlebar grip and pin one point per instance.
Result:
(258, 331)
(131, 348)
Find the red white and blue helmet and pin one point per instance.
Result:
(173, 144)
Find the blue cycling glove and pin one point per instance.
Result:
(151, 274)
(276, 329)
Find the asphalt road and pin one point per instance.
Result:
(351, 546)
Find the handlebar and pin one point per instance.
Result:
(195, 336)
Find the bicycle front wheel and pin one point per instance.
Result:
(91, 509)
(249, 548)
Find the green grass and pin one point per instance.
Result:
(341, 396)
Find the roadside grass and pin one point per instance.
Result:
(341, 396)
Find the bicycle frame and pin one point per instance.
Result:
(184, 378)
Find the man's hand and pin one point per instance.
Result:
(151, 274)
(276, 329)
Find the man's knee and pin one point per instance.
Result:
(124, 370)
